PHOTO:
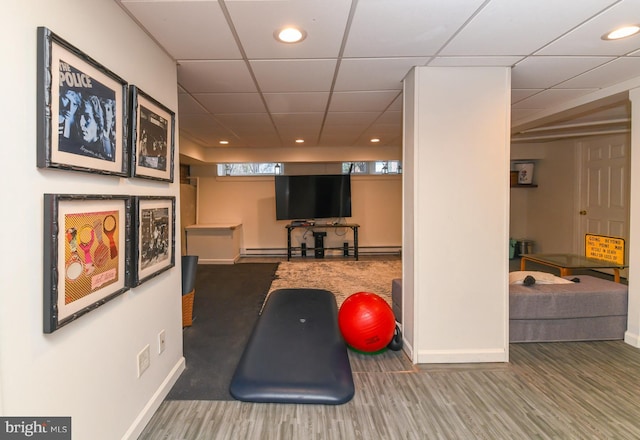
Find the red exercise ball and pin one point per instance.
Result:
(366, 321)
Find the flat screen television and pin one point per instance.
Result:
(313, 196)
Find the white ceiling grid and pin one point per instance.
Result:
(342, 84)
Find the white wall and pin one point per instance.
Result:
(460, 232)
(376, 206)
(86, 369)
(545, 214)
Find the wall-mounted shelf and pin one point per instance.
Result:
(514, 179)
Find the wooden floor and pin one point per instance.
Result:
(581, 390)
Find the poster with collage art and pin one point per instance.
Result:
(86, 254)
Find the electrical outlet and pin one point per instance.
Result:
(144, 360)
(161, 341)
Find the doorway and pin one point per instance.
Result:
(604, 185)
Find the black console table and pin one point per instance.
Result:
(318, 236)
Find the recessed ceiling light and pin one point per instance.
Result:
(224, 142)
(299, 141)
(290, 35)
(374, 140)
(622, 32)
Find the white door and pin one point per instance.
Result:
(604, 189)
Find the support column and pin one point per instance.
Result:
(456, 214)
(632, 336)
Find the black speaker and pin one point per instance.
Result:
(318, 250)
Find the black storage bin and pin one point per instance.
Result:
(524, 247)
(189, 267)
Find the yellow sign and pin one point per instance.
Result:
(601, 247)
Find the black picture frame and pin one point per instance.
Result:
(152, 137)
(86, 254)
(89, 103)
(154, 247)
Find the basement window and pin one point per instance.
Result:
(375, 167)
(249, 169)
(355, 167)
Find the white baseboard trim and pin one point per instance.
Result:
(407, 349)
(153, 404)
(219, 260)
(462, 356)
(632, 339)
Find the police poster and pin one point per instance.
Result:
(81, 110)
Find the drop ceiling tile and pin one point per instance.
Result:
(390, 117)
(386, 140)
(550, 98)
(362, 101)
(187, 28)
(520, 94)
(586, 39)
(498, 28)
(294, 75)
(351, 119)
(323, 20)
(232, 142)
(398, 104)
(606, 75)
(339, 137)
(477, 61)
(519, 114)
(296, 102)
(374, 73)
(188, 105)
(201, 122)
(349, 131)
(215, 77)
(544, 72)
(387, 133)
(289, 140)
(219, 103)
(203, 127)
(266, 140)
(247, 123)
(405, 28)
(302, 125)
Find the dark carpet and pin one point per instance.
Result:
(226, 305)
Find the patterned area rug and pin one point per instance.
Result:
(342, 278)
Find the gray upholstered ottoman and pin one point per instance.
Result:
(593, 309)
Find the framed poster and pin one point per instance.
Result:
(152, 137)
(154, 246)
(88, 104)
(86, 254)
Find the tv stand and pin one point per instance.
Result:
(319, 247)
